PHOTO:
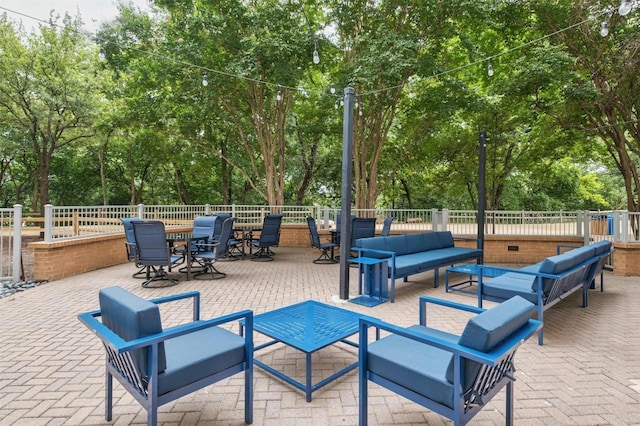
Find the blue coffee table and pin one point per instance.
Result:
(308, 327)
(473, 270)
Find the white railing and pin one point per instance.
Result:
(10, 243)
(73, 222)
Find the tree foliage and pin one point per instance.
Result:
(560, 110)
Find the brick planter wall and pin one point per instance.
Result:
(61, 259)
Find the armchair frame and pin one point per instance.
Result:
(120, 363)
(496, 371)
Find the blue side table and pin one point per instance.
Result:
(375, 274)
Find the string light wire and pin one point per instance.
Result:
(307, 92)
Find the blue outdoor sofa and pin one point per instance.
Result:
(412, 254)
(547, 282)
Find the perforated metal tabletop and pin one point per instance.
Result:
(307, 326)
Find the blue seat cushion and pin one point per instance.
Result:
(409, 264)
(193, 356)
(132, 317)
(414, 365)
(507, 285)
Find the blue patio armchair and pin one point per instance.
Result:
(153, 251)
(454, 376)
(325, 247)
(130, 245)
(219, 221)
(212, 251)
(269, 237)
(157, 365)
(202, 233)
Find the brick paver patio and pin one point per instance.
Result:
(51, 367)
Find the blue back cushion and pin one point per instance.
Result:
(415, 243)
(486, 330)
(490, 328)
(601, 247)
(132, 317)
(374, 243)
(431, 240)
(445, 239)
(397, 244)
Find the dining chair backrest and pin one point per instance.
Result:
(151, 242)
(217, 228)
(362, 227)
(127, 222)
(225, 235)
(386, 226)
(313, 231)
(204, 226)
(270, 234)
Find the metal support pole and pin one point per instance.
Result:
(482, 147)
(347, 183)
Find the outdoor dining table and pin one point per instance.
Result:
(247, 230)
(187, 238)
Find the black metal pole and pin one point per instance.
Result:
(347, 183)
(482, 146)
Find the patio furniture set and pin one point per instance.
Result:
(213, 238)
(455, 376)
(452, 375)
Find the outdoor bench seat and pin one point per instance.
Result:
(547, 282)
(412, 254)
(452, 375)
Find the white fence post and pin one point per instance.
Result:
(141, 211)
(622, 234)
(48, 222)
(17, 242)
(445, 219)
(587, 226)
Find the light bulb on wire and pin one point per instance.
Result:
(279, 96)
(205, 80)
(604, 29)
(316, 55)
(625, 7)
(333, 89)
(490, 69)
(102, 54)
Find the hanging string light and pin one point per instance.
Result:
(604, 29)
(279, 96)
(205, 80)
(316, 55)
(333, 89)
(102, 54)
(625, 7)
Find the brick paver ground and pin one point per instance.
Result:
(51, 366)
